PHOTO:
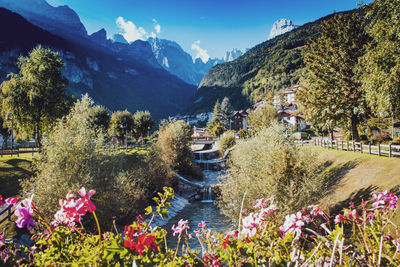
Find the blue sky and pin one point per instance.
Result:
(206, 27)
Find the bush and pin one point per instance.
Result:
(227, 141)
(269, 164)
(381, 138)
(174, 139)
(71, 159)
(262, 118)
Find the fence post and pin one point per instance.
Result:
(337, 145)
(342, 144)
(347, 146)
(353, 146)
(361, 147)
(390, 150)
(379, 149)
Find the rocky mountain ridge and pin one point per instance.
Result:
(280, 27)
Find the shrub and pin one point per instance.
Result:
(381, 138)
(174, 139)
(227, 141)
(269, 164)
(71, 158)
(262, 118)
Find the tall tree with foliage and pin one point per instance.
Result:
(381, 63)
(143, 124)
(100, 118)
(4, 131)
(121, 123)
(216, 120)
(331, 89)
(36, 96)
(226, 112)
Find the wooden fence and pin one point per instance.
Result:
(18, 151)
(6, 214)
(379, 150)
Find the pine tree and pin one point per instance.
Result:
(226, 112)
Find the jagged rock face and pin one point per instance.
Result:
(175, 60)
(232, 55)
(118, 38)
(280, 27)
(60, 20)
(99, 37)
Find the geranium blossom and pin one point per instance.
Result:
(385, 198)
(339, 218)
(316, 210)
(202, 224)
(250, 224)
(24, 212)
(11, 201)
(139, 241)
(88, 204)
(293, 224)
(260, 203)
(182, 227)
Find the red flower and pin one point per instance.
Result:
(226, 242)
(87, 203)
(143, 241)
(1, 201)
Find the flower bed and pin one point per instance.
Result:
(356, 237)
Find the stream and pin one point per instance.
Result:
(205, 209)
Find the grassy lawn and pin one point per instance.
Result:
(353, 176)
(12, 171)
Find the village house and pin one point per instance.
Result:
(238, 120)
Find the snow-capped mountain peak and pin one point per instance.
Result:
(280, 27)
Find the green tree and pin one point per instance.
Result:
(121, 123)
(4, 131)
(262, 118)
(381, 63)
(36, 97)
(217, 116)
(174, 139)
(331, 89)
(226, 112)
(217, 130)
(101, 119)
(143, 124)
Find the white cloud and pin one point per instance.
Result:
(130, 31)
(157, 26)
(200, 52)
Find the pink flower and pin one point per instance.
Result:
(182, 227)
(339, 218)
(24, 213)
(260, 203)
(1, 201)
(271, 209)
(316, 210)
(250, 224)
(202, 224)
(2, 242)
(293, 224)
(370, 217)
(353, 215)
(385, 198)
(11, 201)
(86, 199)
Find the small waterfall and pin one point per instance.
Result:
(207, 194)
(200, 156)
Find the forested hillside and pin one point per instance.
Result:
(267, 67)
